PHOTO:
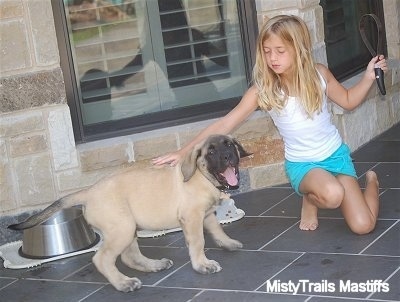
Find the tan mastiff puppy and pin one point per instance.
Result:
(157, 199)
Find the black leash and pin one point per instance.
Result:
(379, 47)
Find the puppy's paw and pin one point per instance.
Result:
(208, 267)
(128, 285)
(230, 245)
(163, 264)
(151, 265)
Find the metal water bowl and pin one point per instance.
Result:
(65, 232)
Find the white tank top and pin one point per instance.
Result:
(306, 139)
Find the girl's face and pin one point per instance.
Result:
(279, 56)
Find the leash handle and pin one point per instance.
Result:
(379, 76)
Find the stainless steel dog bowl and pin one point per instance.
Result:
(65, 232)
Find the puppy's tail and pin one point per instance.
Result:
(38, 218)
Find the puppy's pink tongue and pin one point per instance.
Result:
(230, 176)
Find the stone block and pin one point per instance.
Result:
(260, 126)
(313, 17)
(62, 142)
(267, 175)
(3, 151)
(383, 115)
(357, 129)
(306, 3)
(392, 27)
(186, 136)
(319, 24)
(43, 32)
(7, 200)
(106, 156)
(32, 90)
(14, 46)
(27, 144)
(394, 66)
(268, 14)
(20, 123)
(264, 151)
(395, 107)
(149, 148)
(11, 9)
(263, 6)
(319, 53)
(34, 179)
(74, 180)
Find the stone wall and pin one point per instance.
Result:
(39, 161)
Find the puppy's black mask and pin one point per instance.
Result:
(223, 156)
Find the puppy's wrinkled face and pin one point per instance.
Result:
(220, 157)
(217, 158)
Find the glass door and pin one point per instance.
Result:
(136, 57)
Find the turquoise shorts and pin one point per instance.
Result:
(339, 162)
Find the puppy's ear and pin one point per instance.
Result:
(240, 149)
(189, 164)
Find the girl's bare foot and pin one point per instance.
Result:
(370, 176)
(371, 193)
(309, 218)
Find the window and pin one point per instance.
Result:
(345, 49)
(134, 65)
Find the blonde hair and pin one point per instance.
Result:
(273, 93)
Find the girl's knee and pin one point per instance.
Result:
(362, 226)
(332, 195)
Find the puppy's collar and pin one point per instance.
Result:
(226, 188)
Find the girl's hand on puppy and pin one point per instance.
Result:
(172, 159)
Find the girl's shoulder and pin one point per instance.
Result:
(321, 68)
(324, 71)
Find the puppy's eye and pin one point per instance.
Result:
(211, 151)
(228, 144)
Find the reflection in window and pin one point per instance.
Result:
(135, 57)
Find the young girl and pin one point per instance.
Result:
(294, 90)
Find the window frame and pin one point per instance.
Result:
(344, 72)
(84, 133)
(249, 32)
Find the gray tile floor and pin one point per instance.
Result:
(330, 264)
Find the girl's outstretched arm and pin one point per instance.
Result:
(224, 125)
(350, 98)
